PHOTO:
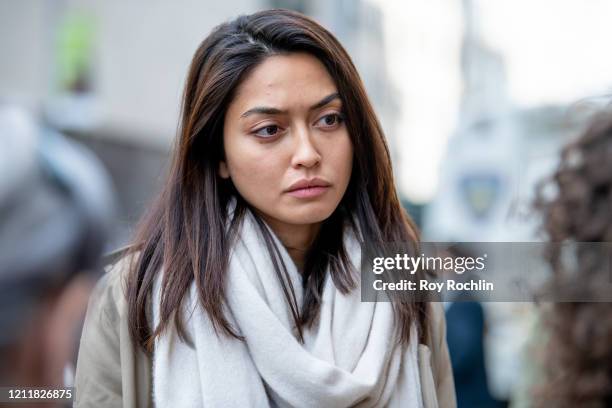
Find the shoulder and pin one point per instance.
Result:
(439, 358)
(108, 299)
(107, 308)
(110, 371)
(437, 319)
(436, 338)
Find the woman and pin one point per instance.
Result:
(242, 287)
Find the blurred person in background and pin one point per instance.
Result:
(465, 334)
(56, 205)
(241, 288)
(577, 353)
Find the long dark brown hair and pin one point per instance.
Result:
(577, 355)
(188, 233)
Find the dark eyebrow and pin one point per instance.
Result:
(274, 111)
(325, 101)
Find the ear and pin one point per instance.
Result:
(223, 171)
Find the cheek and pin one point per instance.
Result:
(252, 167)
(341, 156)
(253, 172)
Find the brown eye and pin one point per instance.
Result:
(330, 121)
(267, 131)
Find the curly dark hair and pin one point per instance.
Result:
(578, 350)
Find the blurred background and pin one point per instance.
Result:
(476, 98)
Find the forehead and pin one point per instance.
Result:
(285, 81)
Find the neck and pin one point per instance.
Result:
(297, 239)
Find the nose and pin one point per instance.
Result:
(306, 153)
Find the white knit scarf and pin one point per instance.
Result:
(349, 358)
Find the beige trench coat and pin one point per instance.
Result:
(111, 372)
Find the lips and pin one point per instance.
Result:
(304, 183)
(308, 188)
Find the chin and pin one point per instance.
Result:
(310, 213)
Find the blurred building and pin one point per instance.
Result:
(493, 163)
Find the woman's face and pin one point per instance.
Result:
(287, 149)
